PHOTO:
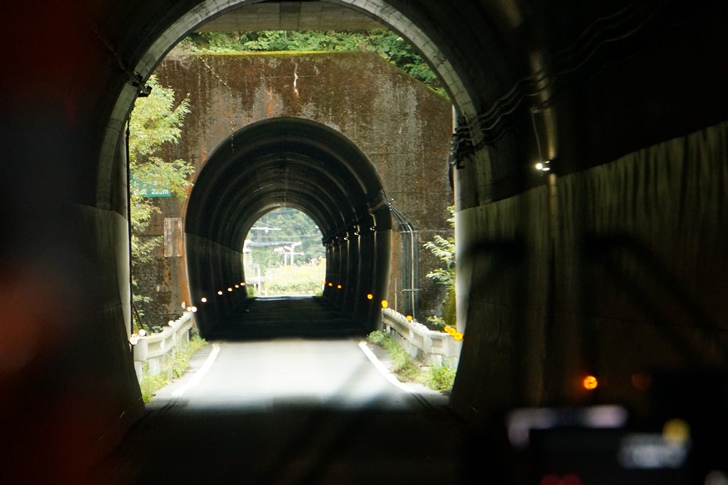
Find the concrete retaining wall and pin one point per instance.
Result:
(157, 349)
(419, 341)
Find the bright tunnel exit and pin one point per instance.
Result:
(294, 164)
(284, 255)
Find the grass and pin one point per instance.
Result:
(174, 369)
(439, 376)
(305, 279)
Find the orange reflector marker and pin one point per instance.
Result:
(370, 296)
(331, 284)
(385, 304)
(338, 286)
(590, 383)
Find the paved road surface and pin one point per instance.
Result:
(258, 375)
(292, 410)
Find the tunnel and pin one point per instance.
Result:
(288, 162)
(589, 170)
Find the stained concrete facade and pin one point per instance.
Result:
(402, 127)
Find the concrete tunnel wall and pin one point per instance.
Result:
(599, 86)
(288, 162)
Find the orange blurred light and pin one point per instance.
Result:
(590, 383)
(338, 286)
(331, 284)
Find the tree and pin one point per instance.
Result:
(155, 122)
(444, 250)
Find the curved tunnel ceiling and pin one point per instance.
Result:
(289, 162)
(276, 163)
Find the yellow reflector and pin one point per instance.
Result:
(385, 304)
(370, 296)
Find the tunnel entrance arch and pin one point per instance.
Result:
(288, 162)
(419, 32)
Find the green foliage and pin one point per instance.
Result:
(403, 366)
(436, 323)
(387, 44)
(440, 376)
(444, 250)
(287, 224)
(304, 279)
(174, 369)
(151, 384)
(155, 122)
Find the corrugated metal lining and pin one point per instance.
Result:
(628, 277)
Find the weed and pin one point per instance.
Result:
(403, 366)
(440, 376)
(174, 369)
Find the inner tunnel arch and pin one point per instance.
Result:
(288, 162)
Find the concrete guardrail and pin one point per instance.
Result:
(158, 348)
(419, 341)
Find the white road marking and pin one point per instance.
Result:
(383, 370)
(197, 377)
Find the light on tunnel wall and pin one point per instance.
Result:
(370, 296)
(385, 304)
(230, 289)
(543, 166)
(219, 292)
(338, 286)
(331, 284)
(203, 299)
(237, 286)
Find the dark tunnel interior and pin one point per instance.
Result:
(288, 162)
(611, 266)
